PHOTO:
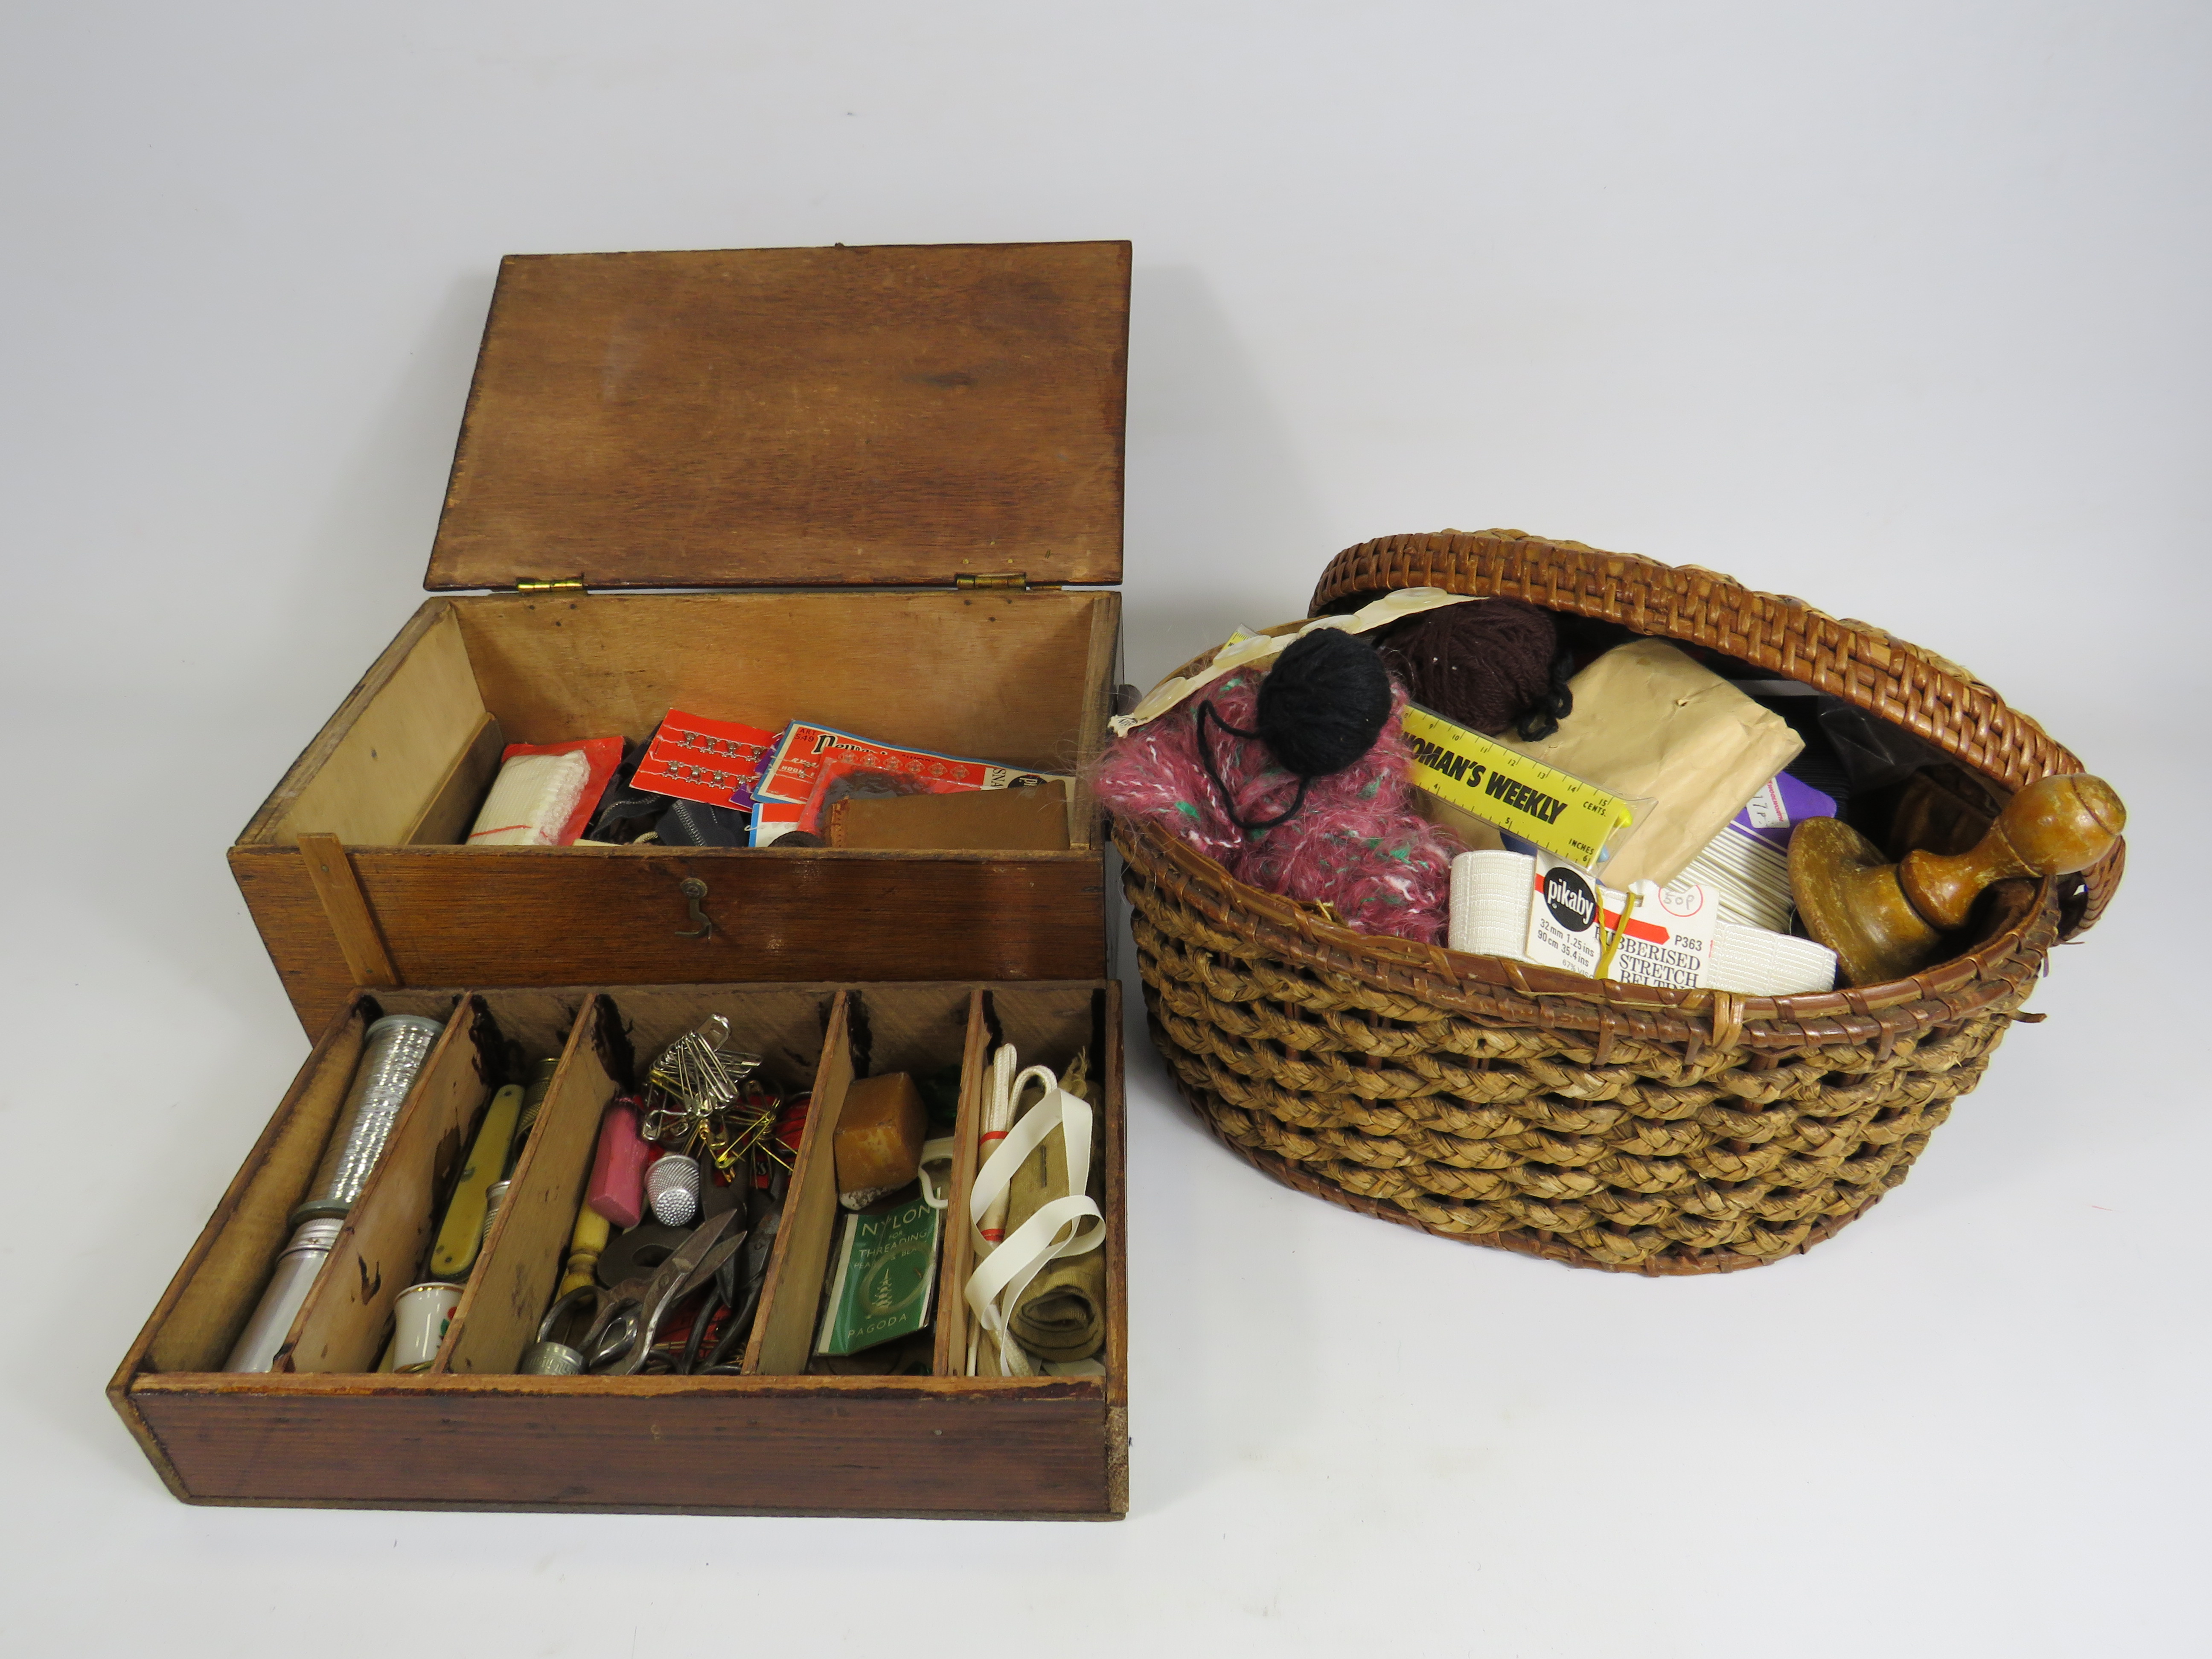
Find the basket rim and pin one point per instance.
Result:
(1951, 989)
(1501, 991)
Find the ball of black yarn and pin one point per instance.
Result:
(1490, 665)
(1323, 702)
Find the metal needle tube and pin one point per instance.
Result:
(393, 1053)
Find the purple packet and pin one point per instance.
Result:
(1783, 804)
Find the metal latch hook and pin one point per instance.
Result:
(694, 890)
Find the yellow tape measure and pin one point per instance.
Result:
(1557, 811)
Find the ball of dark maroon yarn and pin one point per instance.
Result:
(1484, 665)
(1324, 702)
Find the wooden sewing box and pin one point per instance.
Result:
(875, 487)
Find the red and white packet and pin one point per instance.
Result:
(1667, 940)
(601, 755)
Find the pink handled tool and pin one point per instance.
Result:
(616, 1190)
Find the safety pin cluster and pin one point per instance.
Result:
(709, 1104)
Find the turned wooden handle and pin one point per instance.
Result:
(588, 1239)
(2054, 827)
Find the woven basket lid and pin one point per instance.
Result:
(1935, 699)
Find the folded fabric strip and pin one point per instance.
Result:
(1068, 1224)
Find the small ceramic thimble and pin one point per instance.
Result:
(420, 1316)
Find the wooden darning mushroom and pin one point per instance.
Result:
(1886, 920)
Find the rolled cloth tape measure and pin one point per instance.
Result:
(1559, 811)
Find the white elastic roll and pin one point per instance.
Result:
(1491, 893)
(1490, 899)
(1064, 1227)
(1749, 877)
(531, 800)
(1752, 962)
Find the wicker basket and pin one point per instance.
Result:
(1605, 1125)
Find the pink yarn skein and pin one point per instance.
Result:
(1357, 843)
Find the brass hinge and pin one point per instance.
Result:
(1017, 582)
(565, 585)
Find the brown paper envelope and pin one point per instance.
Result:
(1649, 722)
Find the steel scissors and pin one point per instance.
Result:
(625, 1316)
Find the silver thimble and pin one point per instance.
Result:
(495, 1196)
(672, 1187)
(552, 1359)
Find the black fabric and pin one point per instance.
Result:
(694, 824)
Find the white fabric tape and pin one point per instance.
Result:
(1064, 1227)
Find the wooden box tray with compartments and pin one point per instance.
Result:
(326, 1430)
(875, 487)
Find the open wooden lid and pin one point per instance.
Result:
(795, 418)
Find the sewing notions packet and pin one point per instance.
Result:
(1554, 809)
(714, 762)
(790, 772)
(1664, 937)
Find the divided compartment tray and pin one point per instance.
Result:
(471, 1434)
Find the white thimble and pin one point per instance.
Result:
(672, 1187)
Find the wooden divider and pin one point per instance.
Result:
(341, 1326)
(448, 815)
(513, 1285)
(956, 1260)
(783, 1331)
(221, 1283)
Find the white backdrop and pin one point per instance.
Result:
(1898, 306)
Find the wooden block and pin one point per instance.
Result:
(1033, 819)
(879, 1134)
